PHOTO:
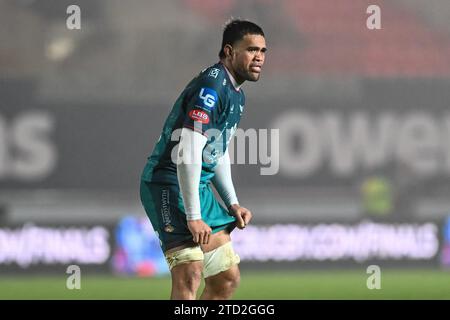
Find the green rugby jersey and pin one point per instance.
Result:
(209, 104)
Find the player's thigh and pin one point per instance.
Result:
(216, 240)
(187, 270)
(229, 278)
(220, 258)
(186, 259)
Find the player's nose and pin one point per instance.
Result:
(259, 57)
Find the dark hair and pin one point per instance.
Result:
(235, 30)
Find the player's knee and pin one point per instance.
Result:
(192, 278)
(187, 276)
(231, 279)
(223, 285)
(235, 282)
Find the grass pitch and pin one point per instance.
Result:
(291, 285)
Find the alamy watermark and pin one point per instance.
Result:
(74, 280)
(374, 280)
(73, 21)
(251, 146)
(373, 22)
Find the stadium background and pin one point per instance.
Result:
(363, 155)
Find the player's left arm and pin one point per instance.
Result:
(223, 182)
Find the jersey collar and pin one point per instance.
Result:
(233, 81)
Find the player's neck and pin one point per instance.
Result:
(232, 75)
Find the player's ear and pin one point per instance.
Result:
(228, 50)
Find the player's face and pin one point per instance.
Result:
(248, 57)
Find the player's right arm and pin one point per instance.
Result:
(201, 112)
(189, 166)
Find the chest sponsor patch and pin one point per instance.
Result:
(199, 115)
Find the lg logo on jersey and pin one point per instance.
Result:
(208, 98)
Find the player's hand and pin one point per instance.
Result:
(200, 231)
(242, 215)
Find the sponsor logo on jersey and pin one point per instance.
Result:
(207, 98)
(199, 115)
(165, 207)
(169, 228)
(214, 72)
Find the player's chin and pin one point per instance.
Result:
(253, 76)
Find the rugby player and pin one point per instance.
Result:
(190, 155)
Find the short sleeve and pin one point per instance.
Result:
(203, 107)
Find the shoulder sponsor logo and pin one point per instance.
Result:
(207, 98)
(199, 115)
(214, 72)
